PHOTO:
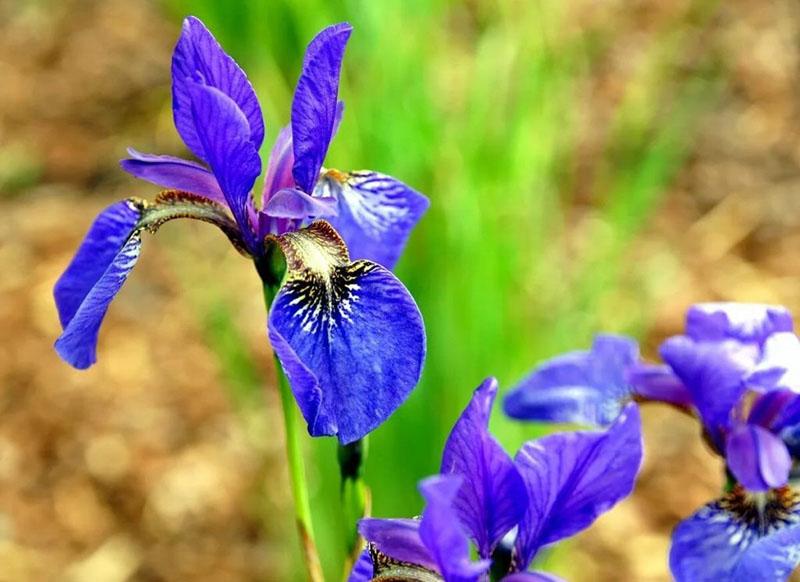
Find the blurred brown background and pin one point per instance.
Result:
(141, 468)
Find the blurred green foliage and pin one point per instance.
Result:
(524, 253)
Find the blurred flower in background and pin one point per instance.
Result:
(591, 166)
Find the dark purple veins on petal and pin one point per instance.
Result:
(492, 497)
(315, 103)
(198, 56)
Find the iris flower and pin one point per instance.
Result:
(347, 332)
(737, 368)
(509, 508)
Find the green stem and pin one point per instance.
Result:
(297, 478)
(355, 497)
(294, 450)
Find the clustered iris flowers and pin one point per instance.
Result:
(510, 508)
(737, 369)
(347, 332)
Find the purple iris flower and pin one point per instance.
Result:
(347, 332)
(592, 386)
(509, 508)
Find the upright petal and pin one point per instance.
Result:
(740, 538)
(78, 344)
(443, 534)
(376, 213)
(292, 203)
(532, 577)
(757, 458)
(279, 166)
(198, 56)
(713, 373)
(399, 539)
(779, 365)
(572, 478)
(223, 131)
(587, 387)
(492, 498)
(173, 173)
(100, 247)
(744, 322)
(353, 327)
(314, 106)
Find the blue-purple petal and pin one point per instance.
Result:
(77, 345)
(572, 478)
(173, 173)
(108, 234)
(399, 539)
(658, 383)
(492, 497)
(315, 103)
(757, 458)
(779, 364)
(443, 534)
(292, 203)
(744, 322)
(713, 373)
(223, 131)
(353, 329)
(376, 213)
(531, 577)
(279, 166)
(363, 570)
(199, 57)
(717, 544)
(587, 387)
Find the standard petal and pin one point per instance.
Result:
(376, 213)
(587, 387)
(744, 322)
(658, 383)
(173, 173)
(78, 344)
(399, 539)
(779, 365)
(738, 538)
(492, 497)
(572, 478)
(292, 203)
(362, 570)
(279, 166)
(713, 373)
(757, 458)
(315, 103)
(223, 131)
(443, 534)
(102, 244)
(355, 329)
(198, 56)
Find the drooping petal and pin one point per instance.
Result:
(744, 322)
(173, 173)
(713, 373)
(223, 131)
(587, 387)
(78, 344)
(658, 383)
(572, 478)
(757, 458)
(362, 570)
(279, 166)
(102, 244)
(292, 203)
(443, 534)
(198, 56)
(732, 539)
(315, 103)
(492, 497)
(354, 330)
(376, 213)
(399, 539)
